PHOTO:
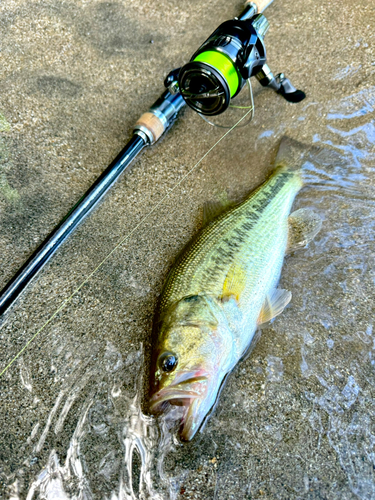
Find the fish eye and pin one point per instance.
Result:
(168, 362)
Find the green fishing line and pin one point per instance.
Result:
(222, 63)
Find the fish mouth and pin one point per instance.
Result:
(188, 390)
(186, 386)
(172, 396)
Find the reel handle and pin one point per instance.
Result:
(261, 5)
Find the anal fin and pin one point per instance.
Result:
(304, 225)
(274, 305)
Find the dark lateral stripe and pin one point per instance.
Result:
(250, 213)
(237, 236)
(270, 192)
(255, 211)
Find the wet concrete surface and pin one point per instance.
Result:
(296, 419)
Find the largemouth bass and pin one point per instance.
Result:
(221, 288)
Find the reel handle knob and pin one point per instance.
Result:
(288, 91)
(280, 84)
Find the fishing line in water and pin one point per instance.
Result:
(125, 238)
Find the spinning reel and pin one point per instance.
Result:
(222, 65)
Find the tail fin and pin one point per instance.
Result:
(291, 154)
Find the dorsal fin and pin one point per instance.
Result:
(212, 209)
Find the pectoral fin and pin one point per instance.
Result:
(304, 225)
(274, 305)
(234, 283)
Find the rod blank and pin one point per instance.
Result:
(51, 244)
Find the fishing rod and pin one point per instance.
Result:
(215, 74)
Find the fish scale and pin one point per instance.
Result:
(222, 286)
(238, 236)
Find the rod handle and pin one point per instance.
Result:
(150, 123)
(160, 116)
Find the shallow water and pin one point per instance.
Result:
(296, 418)
(309, 380)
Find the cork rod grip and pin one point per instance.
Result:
(152, 124)
(261, 4)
